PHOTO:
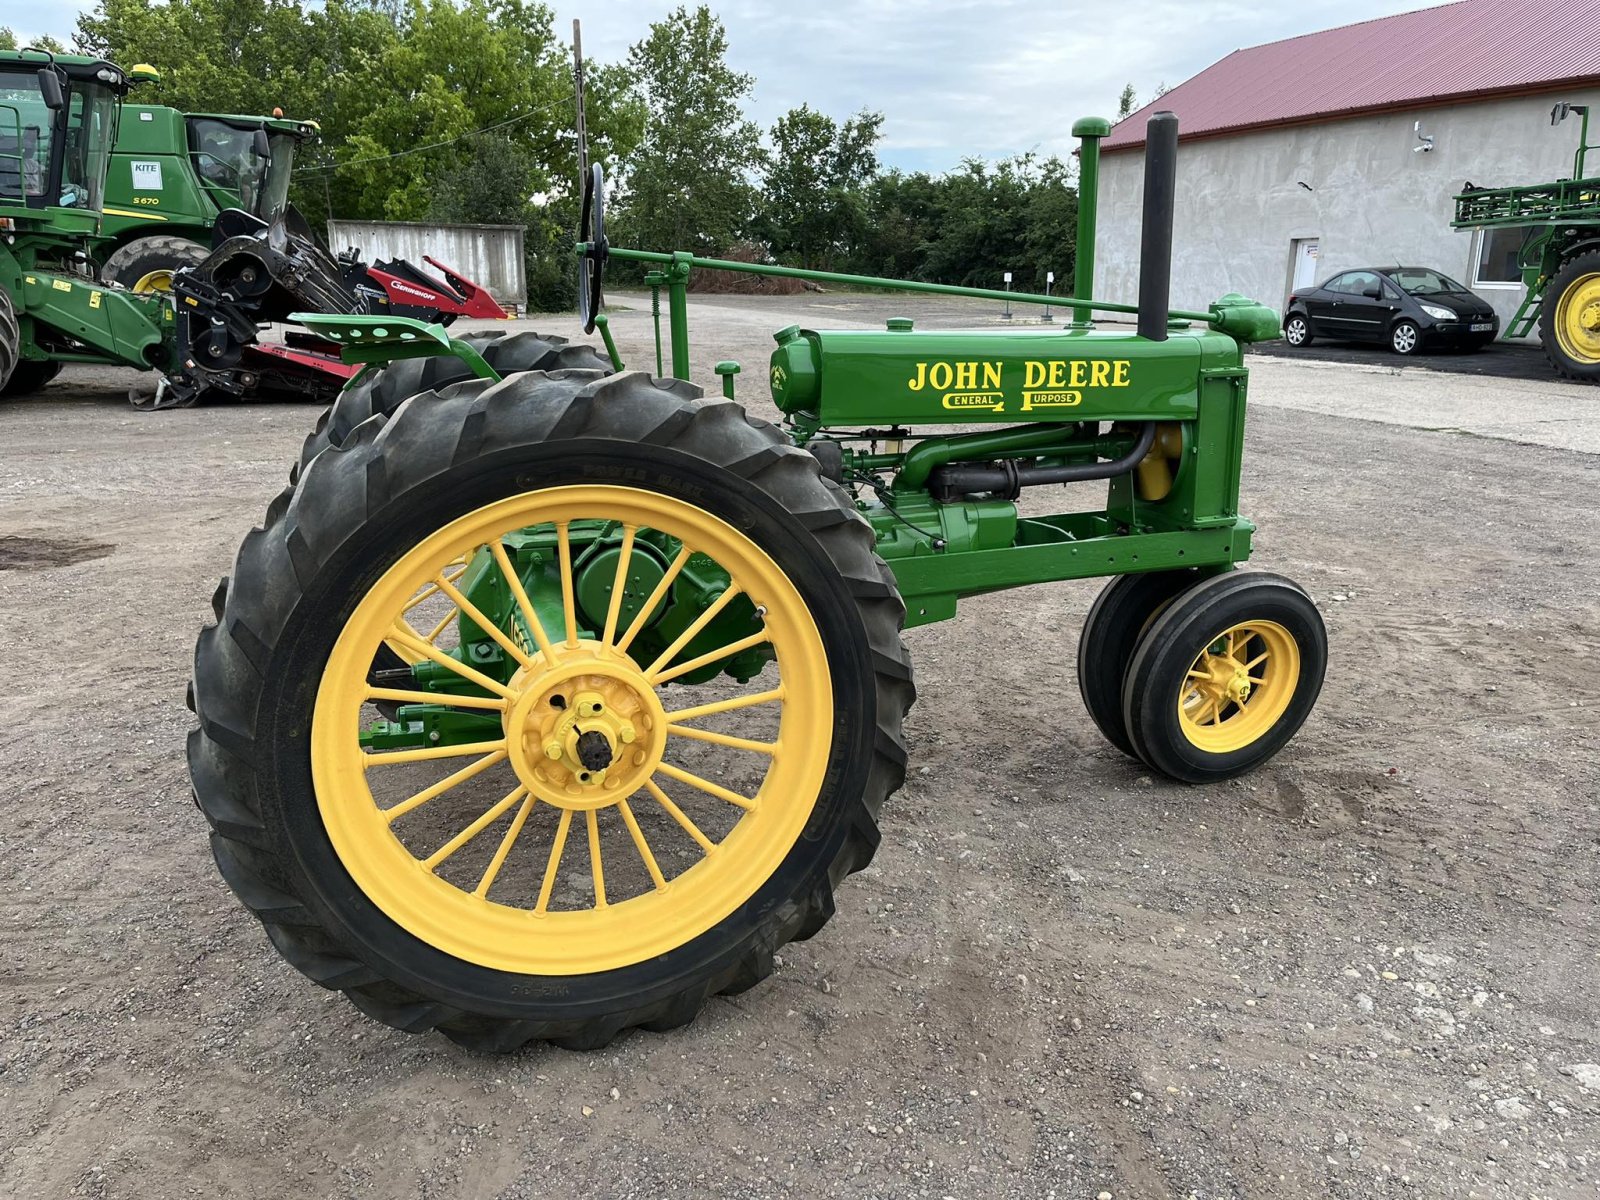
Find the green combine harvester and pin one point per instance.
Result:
(547, 704)
(189, 314)
(1560, 255)
(173, 174)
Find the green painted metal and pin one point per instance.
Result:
(895, 414)
(726, 370)
(173, 172)
(364, 339)
(1088, 131)
(603, 324)
(1562, 219)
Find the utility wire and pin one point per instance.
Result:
(436, 145)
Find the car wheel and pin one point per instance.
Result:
(1297, 331)
(1405, 337)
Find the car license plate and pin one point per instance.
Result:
(1483, 327)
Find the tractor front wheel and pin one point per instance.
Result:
(10, 340)
(1120, 614)
(1225, 676)
(1569, 319)
(667, 666)
(148, 264)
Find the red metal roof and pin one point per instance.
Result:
(1468, 49)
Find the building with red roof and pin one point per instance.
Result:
(1345, 148)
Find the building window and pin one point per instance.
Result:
(1499, 251)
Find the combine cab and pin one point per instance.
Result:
(1560, 256)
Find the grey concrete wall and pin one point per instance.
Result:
(489, 255)
(1375, 201)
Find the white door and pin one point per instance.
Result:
(1305, 263)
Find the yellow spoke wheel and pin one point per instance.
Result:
(550, 707)
(1239, 686)
(586, 731)
(152, 282)
(1224, 676)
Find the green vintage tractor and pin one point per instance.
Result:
(1559, 257)
(173, 173)
(546, 704)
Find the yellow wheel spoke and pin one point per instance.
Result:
(515, 584)
(476, 615)
(722, 739)
(510, 839)
(432, 636)
(706, 786)
(473, 830)
(689, 634)
(451, 664)
(444, 785)
(655, 598)
(433, 588)
(403, 696)
(554, 865)
(1193, 674)
(1258, 680)
(678, 815)
(722, 706)
(1260, 658)
(395, 757)
(637, 834)
(568, 605)
(705, 660)
(594, 859)
(619, 583)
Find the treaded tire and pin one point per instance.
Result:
(1565, 365)
(1172, 643)
(158, 252)
(360, 505)
(1121, 612)
(29, 375)
(10, 341)
(384, 391)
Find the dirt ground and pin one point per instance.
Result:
(1371, 969)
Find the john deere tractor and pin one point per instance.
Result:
(1559, 257)
(546, 704)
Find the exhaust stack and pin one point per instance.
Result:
(1155, 240)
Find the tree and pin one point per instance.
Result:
(688, 186)
(1127, 102)
(813, 202)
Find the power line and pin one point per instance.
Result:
(437, 145)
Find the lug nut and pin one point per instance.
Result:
(552, 750)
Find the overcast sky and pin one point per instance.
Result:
(953, 78)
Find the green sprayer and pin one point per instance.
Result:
(1559, 258)
(546, 704)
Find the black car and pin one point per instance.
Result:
(1406, 308)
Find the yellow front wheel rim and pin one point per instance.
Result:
(549, 792)
(154, 281)
(1578, 319)
(1239, 687)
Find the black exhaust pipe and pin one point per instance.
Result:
(1155, 240)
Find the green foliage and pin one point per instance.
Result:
(461, 111)
(1128, 102)
(688, 184)
(813, 208)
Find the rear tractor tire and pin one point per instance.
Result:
(385, 390)
(147, 264)
(1569, 319)
(1225, 676)
(623, 828)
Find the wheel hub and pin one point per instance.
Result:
(1226, 679)
(585, 731)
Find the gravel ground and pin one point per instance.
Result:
(1367, 970)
